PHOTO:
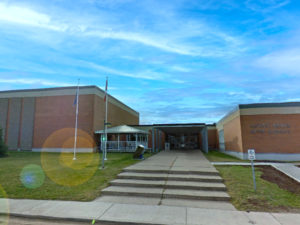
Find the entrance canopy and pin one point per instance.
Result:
(122, 138)
(182, 136)
(123, 129)
(174, 129)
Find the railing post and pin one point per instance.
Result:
(136, 135)
(146, 145)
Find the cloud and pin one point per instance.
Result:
(180, 69)
(156, 42)
(34, 81)
(265, 5)
(178, 81)
(164, 38)
(30, 17)
(282, 62)
(144, 75)
(27, 16)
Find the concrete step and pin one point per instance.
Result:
(188, 185)
(196, 195)
(132, 191)
(165, 194)
(174, 177)
(202, 171)
(129, 200)
(206, 204)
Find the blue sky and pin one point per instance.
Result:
(173, 61)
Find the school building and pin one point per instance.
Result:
(44, 120)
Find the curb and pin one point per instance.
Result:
(60, 219)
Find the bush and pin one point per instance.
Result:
(3, 147)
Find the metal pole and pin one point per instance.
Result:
(76, 121)
(136, 141)
(118, 142)
(105, 124)
(102, 148)
(253, 174)
(105, 129)
(147, 140)
(152, 139)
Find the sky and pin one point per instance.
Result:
(174, 61)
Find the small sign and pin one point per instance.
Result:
(251, 154)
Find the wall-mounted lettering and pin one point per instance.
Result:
(270, 128)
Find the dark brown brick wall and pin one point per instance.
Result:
(57, 112)
(212, 139)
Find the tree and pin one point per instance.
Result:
(3, 147)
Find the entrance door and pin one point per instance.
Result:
(183, 141)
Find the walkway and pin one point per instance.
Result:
(134, 214)
(173, 178)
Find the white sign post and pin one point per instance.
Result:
(251, 157)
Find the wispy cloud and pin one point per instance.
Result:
(173, 61)
(155, 42)
(265, 5)
(26, 16)
(34, 81)
(180, 68)
(173, 43)
(281, 62)
(144, 75)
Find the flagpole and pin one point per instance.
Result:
(76, 120)
(105, 125)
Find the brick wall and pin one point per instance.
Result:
(232, 135)
(277, 133)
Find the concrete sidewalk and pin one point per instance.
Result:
(109, 213)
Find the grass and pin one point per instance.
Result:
(30, 175)
(217, 156)
(268, 197)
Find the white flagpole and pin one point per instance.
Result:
(105, 125)
(76, 120)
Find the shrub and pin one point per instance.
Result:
(3, 147)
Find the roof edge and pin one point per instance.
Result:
(69, 87)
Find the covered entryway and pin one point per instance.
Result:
(180, 136)
(122, 139)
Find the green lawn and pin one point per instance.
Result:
(31, 175)
(217, 156)
(268, 197)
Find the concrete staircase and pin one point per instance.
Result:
(197, 188)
